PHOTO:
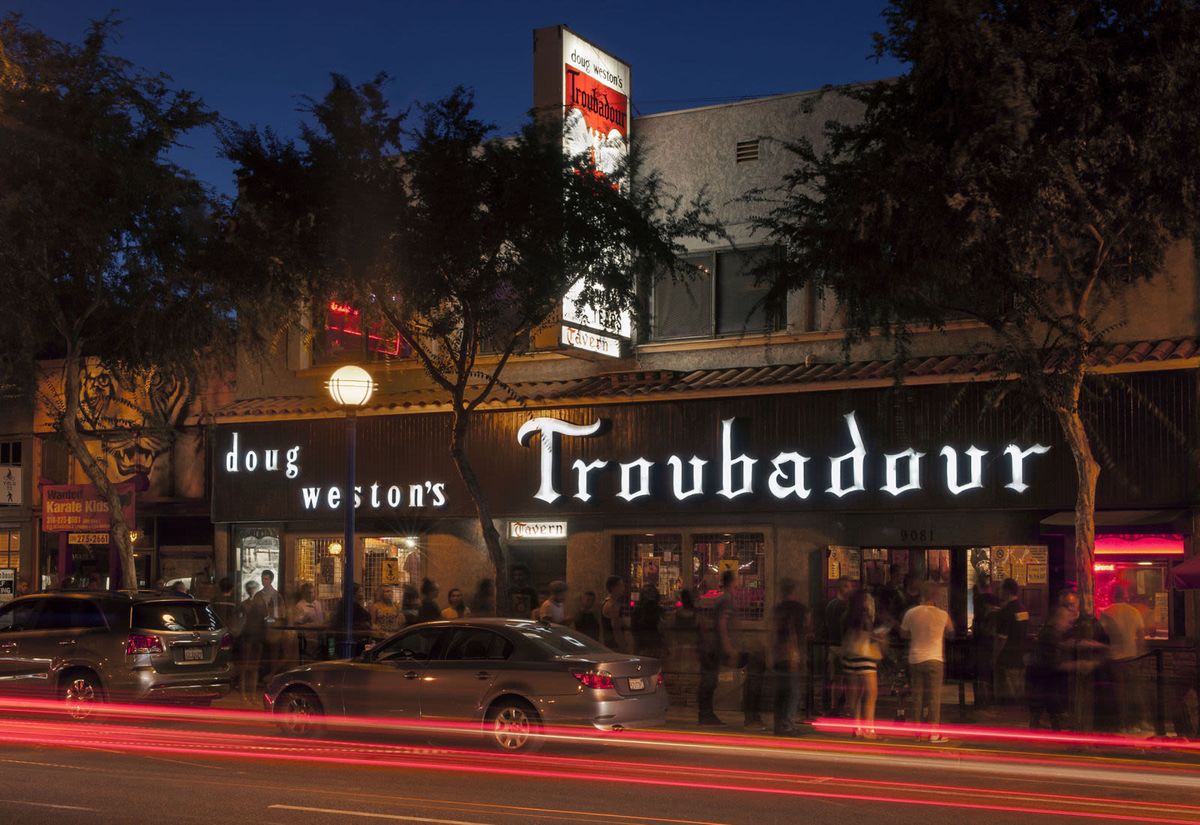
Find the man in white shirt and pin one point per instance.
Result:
(554, 609)
(1126, 636)
(926, 626)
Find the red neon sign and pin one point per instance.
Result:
(344, 319)
(1169, 545)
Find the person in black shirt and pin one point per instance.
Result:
(983, 634)
(429, 610)
(522, 599)
(586, 621)
(1012, 637)
(835, 629)
(790, 650)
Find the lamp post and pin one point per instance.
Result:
(351, 388)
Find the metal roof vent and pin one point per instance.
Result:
(747, 150)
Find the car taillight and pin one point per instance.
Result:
(138, 643)
(659, 679)
(594, 679)
(227, 642)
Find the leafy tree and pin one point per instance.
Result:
(462, 242)
(1030, 169)
(97, 227)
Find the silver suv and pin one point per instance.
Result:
(84, 648)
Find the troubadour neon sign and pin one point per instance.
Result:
(788, 474)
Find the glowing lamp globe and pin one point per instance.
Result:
(351, 386)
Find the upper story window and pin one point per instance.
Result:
(345, 335)
(722, 299)
(10, 453)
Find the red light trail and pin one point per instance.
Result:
(125, 736)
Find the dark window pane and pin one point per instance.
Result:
(16, 452)
(5, 453)
(683, 309)
(478, 644)
(740, 303)
(19, 616)
(419, 645)
(181, 615)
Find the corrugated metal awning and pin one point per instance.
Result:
(1118, 518)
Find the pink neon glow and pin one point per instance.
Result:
(1013, 735)
(1171, 545)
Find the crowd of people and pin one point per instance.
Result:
(1072, 670)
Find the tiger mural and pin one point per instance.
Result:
(134, 413)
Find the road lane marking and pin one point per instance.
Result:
(372, 815)
(50, 805)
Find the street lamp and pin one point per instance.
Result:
(350, 387)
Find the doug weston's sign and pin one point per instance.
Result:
(277, 472)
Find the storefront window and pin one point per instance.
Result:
(10, 547)
(255, 549)
(652, 561)
(713, 554)
(393, 562)
(1145, 584)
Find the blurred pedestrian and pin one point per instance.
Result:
(225, 606)
(612, 615)
(926, 626)
(1047, 676)
(522, 598)
(862, 650)
(456, 605)
(483, 603)
(307, 617)
(385, 615)
(554, 608)
(362, 629)
(1012, 639)
(983, 640)
(254, 631)
(834, 627)
(586, 620)
(22, 587)
(646, 624)
(410, 605)
(1127, 639)
(714, 645)
(1089, 653)
(178, 589)
(789, 628)
(429, 610)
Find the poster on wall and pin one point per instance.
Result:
(844, 561)
(8, 584)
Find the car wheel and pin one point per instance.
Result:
(81, 693)
(299, 712)
(514, 726)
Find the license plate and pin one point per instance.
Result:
(193, 654)
(637, 684)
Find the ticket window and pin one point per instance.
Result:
(1140, 564)
(1145, 584)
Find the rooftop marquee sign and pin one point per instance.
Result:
(787, 476)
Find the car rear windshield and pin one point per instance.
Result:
(183, 615)
(562, 642)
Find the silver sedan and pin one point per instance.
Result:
(512, 676)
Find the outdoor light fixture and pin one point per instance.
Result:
(335, 548)
(350, 386)
(134, 535)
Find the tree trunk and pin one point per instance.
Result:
(95, 472)
(491, 536)
(1087, 472)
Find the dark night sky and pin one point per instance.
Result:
(251, 60)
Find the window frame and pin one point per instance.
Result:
(687, 540)
(773, 321)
